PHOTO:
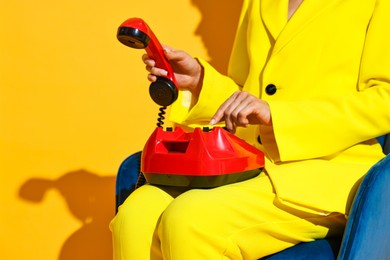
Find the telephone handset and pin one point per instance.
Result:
(135, 33)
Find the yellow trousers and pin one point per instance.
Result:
(237, 221)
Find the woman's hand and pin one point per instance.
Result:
(242, 109)
(188, 71)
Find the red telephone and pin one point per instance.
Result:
(204, 158)
(135, 33)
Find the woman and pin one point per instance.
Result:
(308, 84)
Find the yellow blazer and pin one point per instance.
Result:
(326, 76)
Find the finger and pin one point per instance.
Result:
(169, 52)
(152, 78)
(240, 117)
(258, 113)
(167, 47)
(148, 61)
(235, 111)
(148, 68)
(244, 110)
(157, 71)
(234, 116)
(230, 126)
(219, 115)
(175, 55)
(249, 114)
(230, 114)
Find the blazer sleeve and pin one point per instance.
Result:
(216, 87)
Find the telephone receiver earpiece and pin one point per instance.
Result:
(135, 33)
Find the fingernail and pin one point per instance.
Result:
(212, 122)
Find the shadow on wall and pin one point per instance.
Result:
(217, 29)
(90, 198)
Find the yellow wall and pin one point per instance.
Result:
(73, 104)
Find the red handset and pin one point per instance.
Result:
(135, 33)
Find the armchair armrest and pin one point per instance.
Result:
(367, 232)
(127, 177)
(386, 144)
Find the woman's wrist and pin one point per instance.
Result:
(198, 81)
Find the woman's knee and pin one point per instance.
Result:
(144, 205)
(188, 213)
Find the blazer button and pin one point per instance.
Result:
(270, 89)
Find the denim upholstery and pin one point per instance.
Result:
(322, 249)
(368, 227)
(127, 177)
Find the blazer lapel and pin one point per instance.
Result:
(274, 15)
(275, 12)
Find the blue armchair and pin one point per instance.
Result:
(366, 235)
